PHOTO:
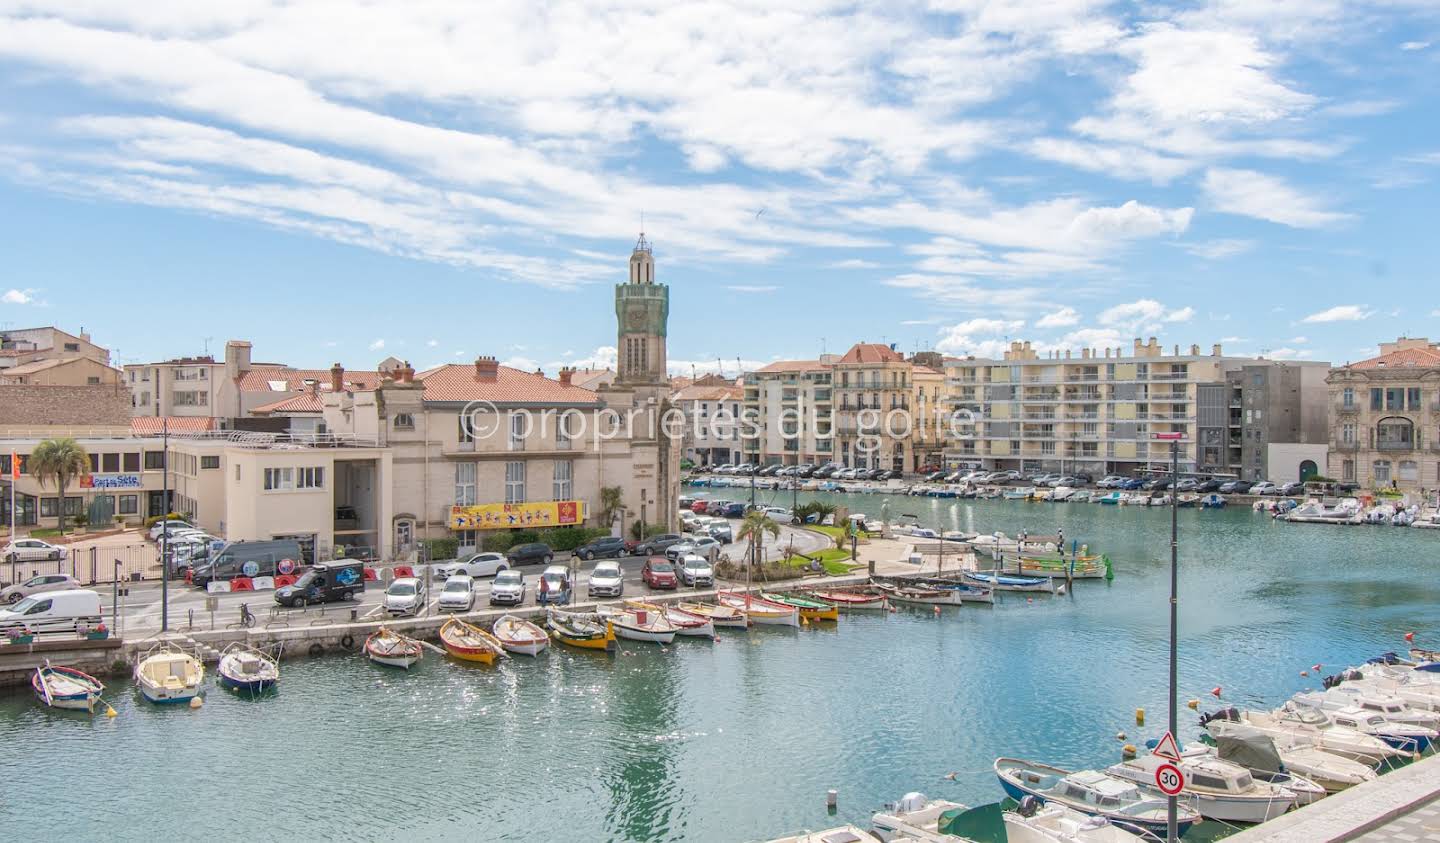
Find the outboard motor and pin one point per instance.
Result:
(1330, 682)
(1029, 806)
(1230, 714)
(910, 803)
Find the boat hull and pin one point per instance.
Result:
(635, 633)
(252, 685)
(1158, 827)
(761, 611)
(398, 655)
(852, 602)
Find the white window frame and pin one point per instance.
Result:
(465, 475)
(279, 479)
(515, 481)
(519, 427)
(563, 488)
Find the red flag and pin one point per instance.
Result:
(14, 466)
(1409, 636)
(1215, 690)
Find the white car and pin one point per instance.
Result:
(161, 526)
(1264, 487)
(458, 595)
(405, 596)
(607, 580)
(707, 547)
(475, 565)
(32, 550)
(778, 514)
(35, 585)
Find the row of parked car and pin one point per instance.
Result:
(1158, 483)
(830, 470)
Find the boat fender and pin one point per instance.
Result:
(348, 641)
(1128, 750)
(1193, 704)
(317, 649)
(196, 702)
(1029, 805)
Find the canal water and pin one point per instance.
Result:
(739, 740)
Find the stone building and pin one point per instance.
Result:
(1385, 417)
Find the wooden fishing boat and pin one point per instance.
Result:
(909, 595)
(1084, 568)
(760, 610)
(969, 592)
(588, 631)
(66, 687)
(244, 668)
(390, 648)
(686, 623)
(727, 617)
(851, 599)
(640, 625)
(167, 674)
(1010, 582)
(470, 643)
(518, 635)
(810, 610)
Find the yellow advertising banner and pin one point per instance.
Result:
(508, 516)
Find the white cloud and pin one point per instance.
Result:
(1340, 313)
(1219, 249)
(431, 343)
(932, 321)
(854, 263)
(752, 288)
(1184, 314)
(1120, 161)
(377, 345)
(1298, 340)
(1252, 194)
(13, 296)
(1062, 318)
(524, 364)
(1290, 354)
(1142, 315)
(1410, 46)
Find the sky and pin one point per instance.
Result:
(343, 182)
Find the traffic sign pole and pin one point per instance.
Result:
(1172, 818)
(1170, 780)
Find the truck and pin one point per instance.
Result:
(247, 559)
(324, 582)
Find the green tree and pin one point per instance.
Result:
(611, 501)
(819, 509)
(61, 460)
(754, 528)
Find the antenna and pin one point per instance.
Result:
(207, 345)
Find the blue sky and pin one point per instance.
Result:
(436, 182)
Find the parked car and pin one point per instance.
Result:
(607, 580)
(707, 547)
(735, 509)
(722, 533)
(161, 526)
(605, 547)
(1292, 488)
(1064, 480)
(1113, 481)
(53, 611)
(553, 586)
(1236, 487)
(36, 585)
(1211, 485)
(700, 506)
(474, 565)
(1187, 484)
(246, 559)
(458, 595)
(695, 571)
(1265, 487)
(779, 514)
(659, 572)
(656, 544)
(1083, 479)
(508, 588)
(32, 550)
(529, 554)
(326, 582)
(405, 596)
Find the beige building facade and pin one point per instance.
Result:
(1385, 417)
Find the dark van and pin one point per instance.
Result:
(246, 559)
(326, 582)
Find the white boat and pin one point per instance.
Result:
(1416, 688)
(66, 687)
(1221, 790)
(839, 834)
(914, 596)
(1391, 707)
(1300, 755)
(639, 625)
(721, 616)
(911, 816)
(1081, 496)
(685, 622)
(1091, 792)
(167, 674)
(1061, 493)
(760, 611)
(1406, 736)
(1055, 823)
(245, 668)
(390, 648)
(518, 635)
(1257, 753)
(1315, 727)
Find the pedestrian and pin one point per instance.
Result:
(1060, 538)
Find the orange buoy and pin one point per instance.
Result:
(1216, 691)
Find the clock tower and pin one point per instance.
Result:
(642, 308)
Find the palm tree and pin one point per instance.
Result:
(60, 460)
(610, 503)
(754, 528)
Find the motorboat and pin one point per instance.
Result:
(167, 674)
(518, 635)
(248, 669)
(1392, 708)
(1314, 726)
(1081, 496)
(810, 609)
(1081, 568)
(724, 617)
(640, 624)
(387, 647)
(1091, 792)
(1406, 736)
(1417, 690)
(851, 599)
(1220, 790)
(1212, 501)
(909, 595)
(1187, 501)
(1111, 498)
(1332, 772)
(686, 623)
(470, 643)
(66, 687)
(587, 631)
(1035, 822)
(1061, 494)
(1347, 511)
(759, 610)
(911, 817)
(1019, 494)
(1257, 753)
(839, 834)
(1009, 582)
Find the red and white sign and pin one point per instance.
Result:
(1167, 748)
(286, 566)
(1169, 779)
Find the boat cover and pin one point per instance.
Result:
(985, 824)
(1249, 748)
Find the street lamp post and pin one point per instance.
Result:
(1172, 831)
(165, 531)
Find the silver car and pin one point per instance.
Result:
(35, 585)
(405, 596)
(508, 588)
(723, 533)
(607, 580)
(458, 594)
(695, 571)
(32, 550)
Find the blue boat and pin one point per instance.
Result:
(244, 668)
(1212, 501)
(1010, 582)
(1111, 499)
(1094, 793)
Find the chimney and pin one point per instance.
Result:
(405, 373)
(337, 378)
(1138, 345)
(314, 385)
(237, 358)
(1067, 354)
(1194, 350)
(566, 374)
(487, 369)
(1215, 350)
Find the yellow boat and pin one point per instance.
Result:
(810, 610)
(470, 643)
(586, 631)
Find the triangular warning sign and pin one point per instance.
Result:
(1167, 748)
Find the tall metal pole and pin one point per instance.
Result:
(1172, 830)
(165, 530)
(14, 479)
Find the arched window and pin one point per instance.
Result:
(1395, 434)
(1381, 471)
(1308, 469)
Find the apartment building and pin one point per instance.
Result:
(711, 407)
(1098, 410)
(1385, 417)
(19, 346)
(788, 412)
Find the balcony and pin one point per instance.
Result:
(1094, 397)
(1347, 409)
(1394, 446)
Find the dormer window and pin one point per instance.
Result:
(404, 421)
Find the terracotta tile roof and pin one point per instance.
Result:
(38, 366)
(926, 370)
(155, 425)
(872, 352)
(306, 403)
(710, 393)
(456, 382)
(780, 366)
(270, 378)
(591, 378)
(1403, 358)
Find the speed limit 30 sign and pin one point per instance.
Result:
(1169, 779)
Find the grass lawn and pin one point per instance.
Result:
(835, 561)
(835, 533)
(47, 533)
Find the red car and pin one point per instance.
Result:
(659, 572)
(699, 507)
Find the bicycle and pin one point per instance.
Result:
(247, 619)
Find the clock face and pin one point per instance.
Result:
(636, 317)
